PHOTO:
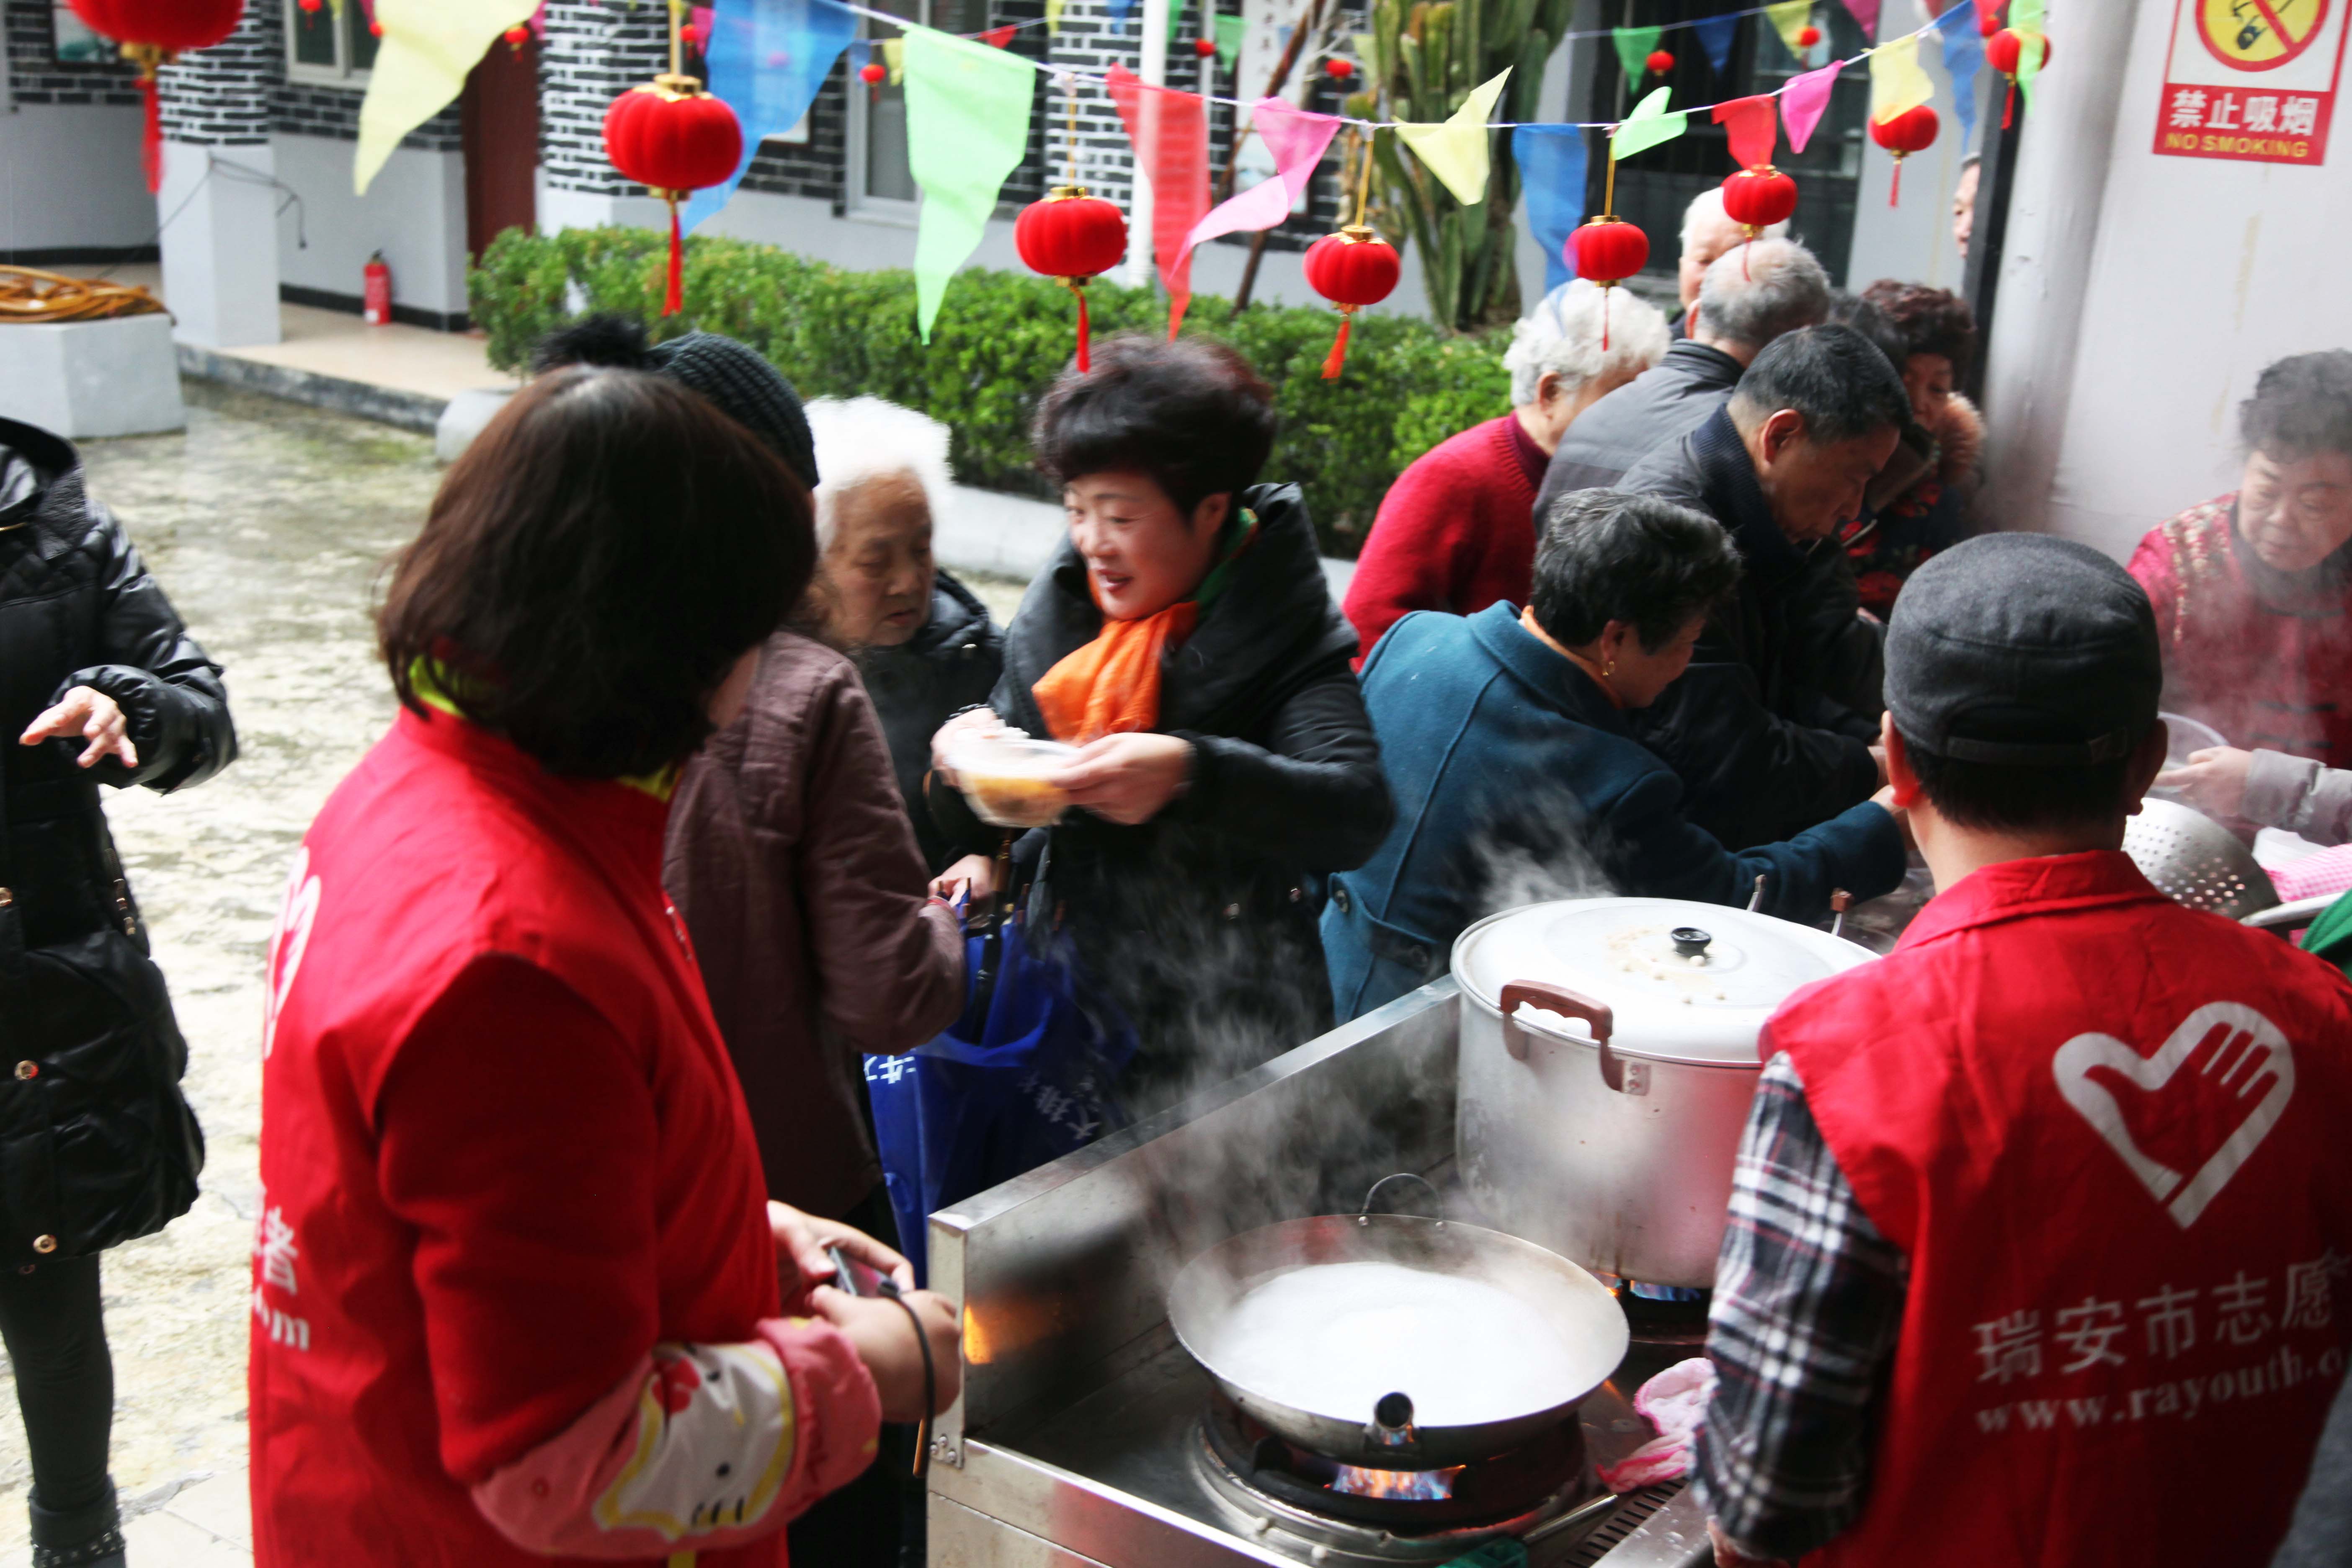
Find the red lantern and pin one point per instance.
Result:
(1607, 250)
(673, 138)
(2005, 52)
(1338, 70)
(1072, 237)
(1988, 17)
(1756, 199)
(1913, 131)
(871, 73)
(1204, 47)
(1659, 62)
(1807, 36)
(151, 32)
(517, 37)
(313, 6)
(1352, 268)
(691, 32)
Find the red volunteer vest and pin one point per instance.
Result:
(447, 843)
(2114, 1137)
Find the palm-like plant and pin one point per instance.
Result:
(1428, 56)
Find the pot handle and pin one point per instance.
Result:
(1569, 1003)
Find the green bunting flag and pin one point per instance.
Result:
(967, 128)
(1649, 124)
(1634, 46)
(2025, 20)
(1229, 40)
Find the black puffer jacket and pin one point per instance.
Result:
(1764, 746)
(950, 665)
(1202, 923)
(96, 1145)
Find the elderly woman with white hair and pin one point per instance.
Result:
(924, 644)
(1457, 531)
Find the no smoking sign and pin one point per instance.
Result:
(2252, 79)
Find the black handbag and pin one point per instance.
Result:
(96, 1143)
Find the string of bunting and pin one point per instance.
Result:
(970, 100)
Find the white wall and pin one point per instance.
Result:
(71, 179)
(2114, 411)
(415, 212)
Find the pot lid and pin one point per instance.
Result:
(1686, 981)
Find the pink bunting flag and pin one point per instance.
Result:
(1297, 140)
(1866, 12)
(1751, 125)
(1803, 101)
(1170, 130)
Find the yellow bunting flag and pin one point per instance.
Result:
(894, 56)
(1790, 18)
(428, 47)
(1456, 150)
(1897, 82)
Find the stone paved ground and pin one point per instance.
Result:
(266, 523)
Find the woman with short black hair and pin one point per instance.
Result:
(518, 1290)
(1184, 639)
(1517, 777)
(2253, 589)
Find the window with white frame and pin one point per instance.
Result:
(330, 42)
(879, 181)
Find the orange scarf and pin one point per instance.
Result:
(1111, 686)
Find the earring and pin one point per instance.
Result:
(1609, 669)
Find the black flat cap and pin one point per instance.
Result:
(2023, 650)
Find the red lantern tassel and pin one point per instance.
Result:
(1079, 289)
(1338, 355)
(151, 141)
(2008, 105)
(673, 298)
(1894, 186)
(1604, 318)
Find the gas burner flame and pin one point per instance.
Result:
(1398, 1486)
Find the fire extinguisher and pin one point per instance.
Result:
(376, 291)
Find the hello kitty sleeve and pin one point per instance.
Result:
(700, 1447)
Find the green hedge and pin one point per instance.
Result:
(1000, 341)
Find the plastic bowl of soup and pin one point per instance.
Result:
(1003, 778)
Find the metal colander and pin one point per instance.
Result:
(2194, 860)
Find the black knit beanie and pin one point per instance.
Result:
(731, 376)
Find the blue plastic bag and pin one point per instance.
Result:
(1022, 1078)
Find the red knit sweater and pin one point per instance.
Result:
(1455, 533)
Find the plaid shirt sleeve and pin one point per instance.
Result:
(1808, 1299)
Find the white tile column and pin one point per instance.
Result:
(220, 244)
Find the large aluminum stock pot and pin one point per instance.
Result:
(1608, 1057)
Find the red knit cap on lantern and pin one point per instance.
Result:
(151, 33)
(1913, 131)
(2005, 52)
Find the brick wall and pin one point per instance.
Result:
(592, 54)
(313, 109)
(36, 75)
(220, 97)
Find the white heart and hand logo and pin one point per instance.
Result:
(2239, 1052)
(287, 943)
